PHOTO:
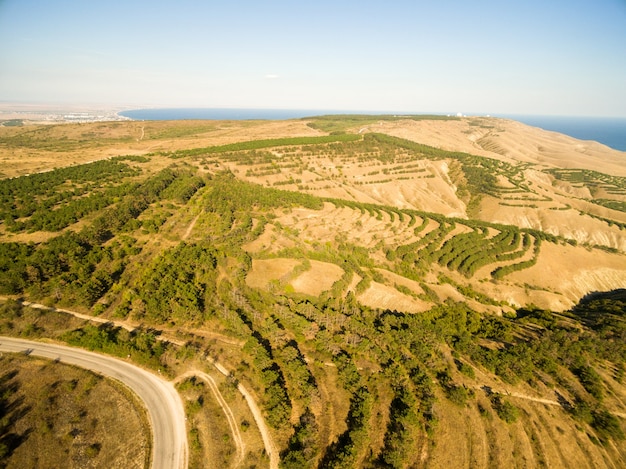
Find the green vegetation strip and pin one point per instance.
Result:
(341, 122)
(268, 143)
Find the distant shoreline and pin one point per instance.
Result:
(227, 113)
(610, 131)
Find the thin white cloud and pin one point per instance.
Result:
(271, 76)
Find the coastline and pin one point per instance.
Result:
(609, 131)
(226, 113)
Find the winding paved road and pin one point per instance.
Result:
(164, 406)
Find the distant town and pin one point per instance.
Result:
(19, 114)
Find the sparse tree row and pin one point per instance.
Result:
(597, 183)
(592, 179)
(340, 384)
(474, 176)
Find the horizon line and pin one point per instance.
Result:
(46, 106)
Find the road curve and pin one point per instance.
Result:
(164, 406)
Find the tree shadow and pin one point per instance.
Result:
(618, 294)
(565, 404)
(12, 409)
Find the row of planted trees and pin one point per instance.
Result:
(81, 266)
(388, 366)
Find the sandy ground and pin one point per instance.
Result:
(564, 274)
(511, 141)
(314, 281)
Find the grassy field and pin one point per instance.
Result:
(55, 415)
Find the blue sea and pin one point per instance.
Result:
(222, 114)
(610, 131)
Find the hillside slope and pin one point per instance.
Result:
(407, 290)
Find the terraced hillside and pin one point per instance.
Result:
(405, 179)
(389, 303)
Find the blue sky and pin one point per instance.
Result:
(555, 57)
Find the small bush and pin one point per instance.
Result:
(505, 410)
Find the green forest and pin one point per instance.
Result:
(113, 242)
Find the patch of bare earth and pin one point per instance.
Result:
(510, 141)
(318, 278)
(265, 271)
(382, 296)
(564, 274)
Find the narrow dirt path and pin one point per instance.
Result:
(131, 327)
(123, 324)
(534, 399)
(190, 227)
(230, 417)
(142, 134)
(489, 390)
(541, 400)
(270, 446)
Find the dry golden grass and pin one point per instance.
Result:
(318, 279)
(36, 147)
(562, 275)
(472, 435)
(210, 438)
(62, 416)
(315, 280)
